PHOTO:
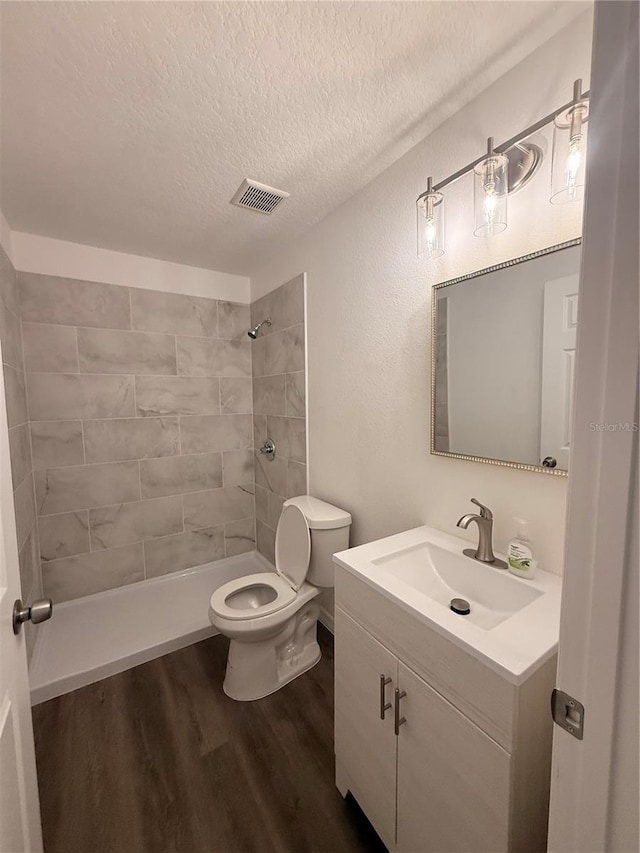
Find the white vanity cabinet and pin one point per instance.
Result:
(439, 781)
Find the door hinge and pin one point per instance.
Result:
(568, 713)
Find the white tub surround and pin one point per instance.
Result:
(100, 635)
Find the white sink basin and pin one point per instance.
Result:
(493, 594)
(513, 624)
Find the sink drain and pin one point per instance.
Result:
(459, 605)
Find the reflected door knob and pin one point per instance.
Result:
(39, 611)
(549, 462)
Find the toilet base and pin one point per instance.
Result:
(257, 669)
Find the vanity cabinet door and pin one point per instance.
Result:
(365, 744)
(453, 780)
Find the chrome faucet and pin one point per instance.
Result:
(484, 520)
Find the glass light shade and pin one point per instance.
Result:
(490, 195)
(568, 166)
(430, 225)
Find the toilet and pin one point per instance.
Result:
(271, 617)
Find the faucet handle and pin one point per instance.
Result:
(485, 512)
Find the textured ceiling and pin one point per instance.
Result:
(129, 126)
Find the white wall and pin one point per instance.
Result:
(369, 325)
(47, 256)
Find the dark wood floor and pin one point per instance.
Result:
(159, 760)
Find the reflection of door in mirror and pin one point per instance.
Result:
(558, 364)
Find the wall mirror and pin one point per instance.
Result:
(503, 351)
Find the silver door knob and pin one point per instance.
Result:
(39, 611)
(549, 462)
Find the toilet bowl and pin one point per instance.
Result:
(271, 617)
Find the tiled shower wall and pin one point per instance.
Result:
(19, 443)
(279, 405)
(140, 409)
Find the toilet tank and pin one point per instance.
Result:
(329, 527)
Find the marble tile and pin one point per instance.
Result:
(107, 351)
(221, 432)
(50, 349)
(271, 305)
(285, 351)
(75, 577)
(278, 432)
(296, 479)
(262, 504)
(176, 475)
(297, 430)
(25, 510)
(177, 395)
(71, 302)
(117, 439)
(174, 313)
(213, 357)
(63, 535)
(259, 357)
(16, 399)
(239, 537)
(111, 526)
(67, 396)
(29, 564)
(9, 284)
(236, 396)
(234, 320)
(274, 509)
(11, 337)
(294, 301)
(269, 395)
(271, 474)
(86, 486)
(260, 434)
(183, 551)
(295, 395)
(237, 467)
(204, 509)
(20, 453)
(266, 542)
(55, 444)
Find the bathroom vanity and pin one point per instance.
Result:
(442, 722)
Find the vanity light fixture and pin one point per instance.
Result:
(490, 193)
(492, 182)
(569, 149)
(430, 222)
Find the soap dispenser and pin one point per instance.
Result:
(519, 553)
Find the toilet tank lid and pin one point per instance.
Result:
(319, 514)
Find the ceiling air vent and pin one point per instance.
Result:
(258, 197)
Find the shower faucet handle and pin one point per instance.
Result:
(268, 449)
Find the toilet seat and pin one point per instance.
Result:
(284, 595)
(292, 551)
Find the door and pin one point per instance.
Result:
(365, 744)
(558, 366)
(453, 779)
(594, 781)
(19, 808)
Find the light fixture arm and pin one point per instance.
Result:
(578, 97)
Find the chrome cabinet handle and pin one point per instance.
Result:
(549, 462)
(384, 706)
(398, 720)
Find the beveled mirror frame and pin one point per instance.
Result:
(539, 469)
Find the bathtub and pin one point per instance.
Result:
(93, 637)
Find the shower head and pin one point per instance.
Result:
(253, 334)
